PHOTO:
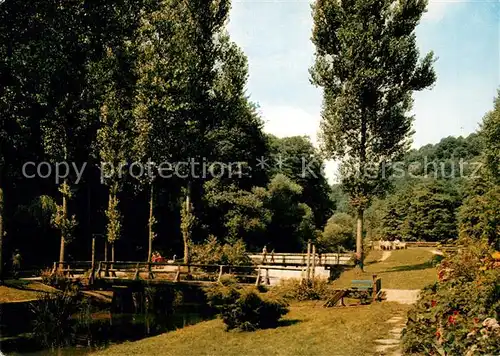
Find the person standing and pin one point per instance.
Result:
(16, 263)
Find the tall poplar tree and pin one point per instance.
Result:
(368, 64)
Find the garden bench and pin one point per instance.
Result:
(368, 288)
(363, 285)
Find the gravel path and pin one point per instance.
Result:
(403, 296)
(391, 346)
(385, 255)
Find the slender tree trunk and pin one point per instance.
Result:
(359, 238)
(106, 251)
(150, 249)
(361, 204)
(187, 229)
(63, 238)
(1, 231)
(113, 252)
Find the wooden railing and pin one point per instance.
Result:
(133, 270)
(300, 259)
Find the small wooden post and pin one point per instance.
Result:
(136, 276)
(106, 274)
(92, 270)
(268, 282)
(374, 287)
(308, 264)
(99, 270)
(313, 261)
(221, 270)
(106, 271)
(178, 274)
(257, 281)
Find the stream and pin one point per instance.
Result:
(99, 330)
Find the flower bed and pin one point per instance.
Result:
(459, 314)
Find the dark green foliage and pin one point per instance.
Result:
(53, 324)
(423, 212)
(272, 216)
(245, 309)
(490, 135)
(339, 232)
(303, 164)
(452, 158)
(292, 222)
(479, 216)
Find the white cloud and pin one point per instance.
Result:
(437, 9)
(285, 121)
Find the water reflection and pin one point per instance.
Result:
(104, 328)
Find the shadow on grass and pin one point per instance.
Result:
(418, 267)
(286, 322)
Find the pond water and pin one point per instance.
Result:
(103, 329)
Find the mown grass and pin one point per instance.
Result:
(20, 291)
(309, 329)
(404, 269)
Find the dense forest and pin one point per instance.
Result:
(93, 92)
(128, 122)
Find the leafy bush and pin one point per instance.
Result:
(451, 316)
(52, 326)
(59, 281)
(245, 309)
(339, 232)
(213, 252)
(298, 290)
(228, 280)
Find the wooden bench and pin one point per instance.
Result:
(364, 285)
(372, 288)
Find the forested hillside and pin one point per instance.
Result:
(433, 189)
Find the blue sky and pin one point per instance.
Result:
(465, 36)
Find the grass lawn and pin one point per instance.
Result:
(20, 291)
(404, 269)
(309, 329)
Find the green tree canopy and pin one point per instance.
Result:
(368, 64)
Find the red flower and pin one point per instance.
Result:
(476, 320)
(433, 303)
(438, 334)
(452, 320)
(455, 312)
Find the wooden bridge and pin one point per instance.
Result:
(104, 274)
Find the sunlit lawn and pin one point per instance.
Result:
(19, 291)
(404, 269)
(309, 329)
